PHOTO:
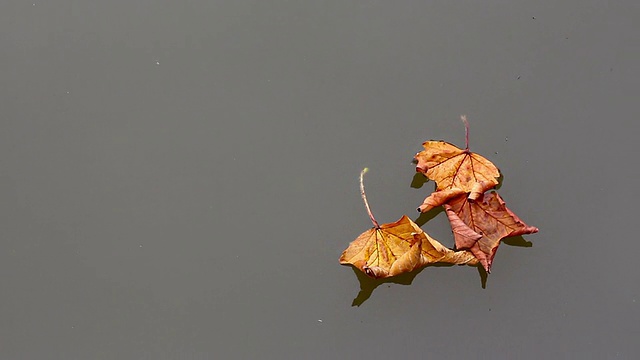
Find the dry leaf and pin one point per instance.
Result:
(391, 249)
(399, 247)
(479, 221)
(480, 225)
(455, 171)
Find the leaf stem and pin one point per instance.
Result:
(466, 131)
(364, 198)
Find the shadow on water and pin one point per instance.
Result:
(423, 218)
(368, 285)
(518, 241)
(418, 180)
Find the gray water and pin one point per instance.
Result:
(179, 178)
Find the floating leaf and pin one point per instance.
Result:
(480, 225)
(399, 247)
(455, 171)
(391, 249)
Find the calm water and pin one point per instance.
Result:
(179, 180)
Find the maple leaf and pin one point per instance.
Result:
(480, 225)
(456, 171)
(399, 247)
(395, 248)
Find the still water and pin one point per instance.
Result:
(179, 179)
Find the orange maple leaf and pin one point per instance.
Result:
(456, 171)
(391, 249)
(480, 225)
(399, 247)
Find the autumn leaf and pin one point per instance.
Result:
(456, 171)
(395, 248)
(399, 247)
(480, 225)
